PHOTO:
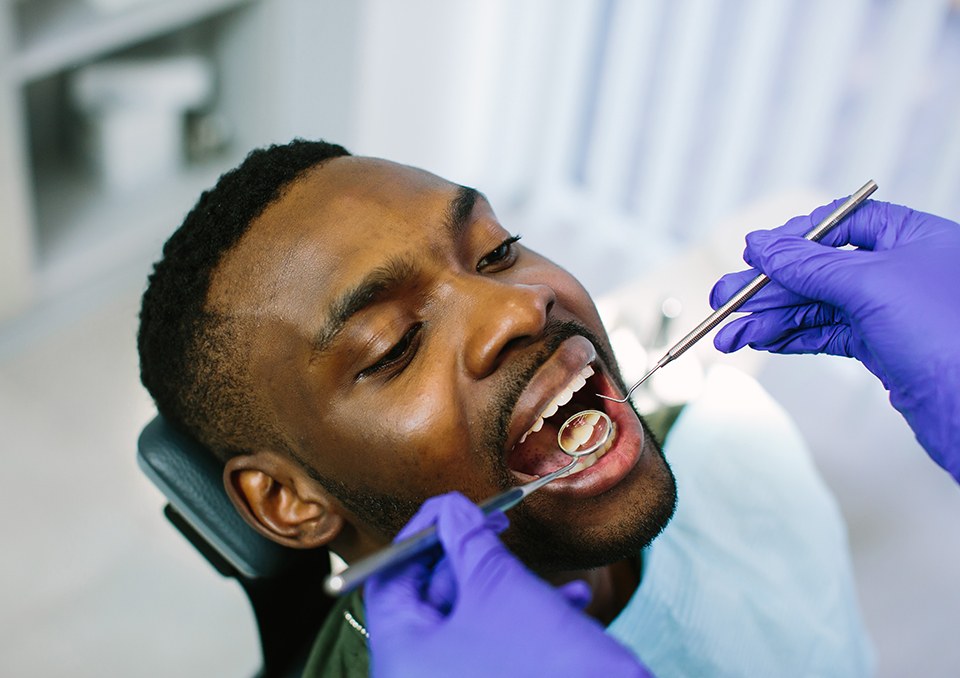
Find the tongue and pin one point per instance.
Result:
(539, 454)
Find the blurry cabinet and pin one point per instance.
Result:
(282, 68)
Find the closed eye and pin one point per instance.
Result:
(500, 258)
(399, 356)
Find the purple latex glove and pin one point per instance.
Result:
(893, 304)
(478, 611)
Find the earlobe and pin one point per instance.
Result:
(270, 499)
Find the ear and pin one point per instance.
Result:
(275, 498)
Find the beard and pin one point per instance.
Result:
(546, 546)
(550, 546)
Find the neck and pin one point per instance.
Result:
(612, 587)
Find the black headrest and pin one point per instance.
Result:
(192, 479)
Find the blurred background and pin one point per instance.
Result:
(634, 141)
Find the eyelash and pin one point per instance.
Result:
(492, 259)
(400, 354)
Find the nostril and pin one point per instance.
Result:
(509, 317)
(515, 343)
(508, 348)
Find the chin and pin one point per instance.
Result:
(607, 528)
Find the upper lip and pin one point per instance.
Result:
(566, 362)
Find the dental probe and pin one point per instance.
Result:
(754, 286)
(347, 580)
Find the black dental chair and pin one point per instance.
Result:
(284, 585)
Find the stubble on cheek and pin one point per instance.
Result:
(385, 510)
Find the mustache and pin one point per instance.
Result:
(521, 372)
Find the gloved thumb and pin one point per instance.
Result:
(577, 593)
(460, 518)
(804, 267)
(473, 549)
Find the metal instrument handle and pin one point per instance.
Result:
(415, 544)
(757, 284)
(750, 289)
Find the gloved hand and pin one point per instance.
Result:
(893, 304)
(477, 611)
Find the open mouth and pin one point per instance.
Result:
(538, 452)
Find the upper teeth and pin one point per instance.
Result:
(560, 399)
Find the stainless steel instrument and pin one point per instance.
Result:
(754, 286)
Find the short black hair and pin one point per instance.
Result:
(192, 360)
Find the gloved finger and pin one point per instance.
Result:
(808, 269)
(577, 593)
(742, 332)
(767, 328)
(434, 506)
(799, 225)
(422, 589)
(497, 521)
(774, 331)
(832, 340)
(475, 552)
(804, 223)
(425, 516)
(728, 285)
(732, 283)
(876, 225)
(859, 228)
(397, 594)
(457, 520)
(441, 589)
(803, 316)
(433, 574)
(437, 585)
(418, 586)
(771, 296)
(872, 225)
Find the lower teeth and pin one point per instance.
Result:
(586, 462)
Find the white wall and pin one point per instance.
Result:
(660, 117)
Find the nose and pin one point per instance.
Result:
(503, 317)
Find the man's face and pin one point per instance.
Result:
(405, 345)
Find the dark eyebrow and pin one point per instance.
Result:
(460, 208)
(379, 283)
(397, 272)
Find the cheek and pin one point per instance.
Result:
(571, 295)
(408, 444)
(430, 445)
(574, 297)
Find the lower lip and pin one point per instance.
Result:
(614, 465)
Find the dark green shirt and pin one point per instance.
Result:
(340, 650)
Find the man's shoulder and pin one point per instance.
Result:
(340, 650)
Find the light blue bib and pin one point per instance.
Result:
(752, 577)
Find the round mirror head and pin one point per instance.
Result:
(584, 433)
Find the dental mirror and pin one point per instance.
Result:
(582, 434)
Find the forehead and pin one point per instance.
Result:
(333, 222)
